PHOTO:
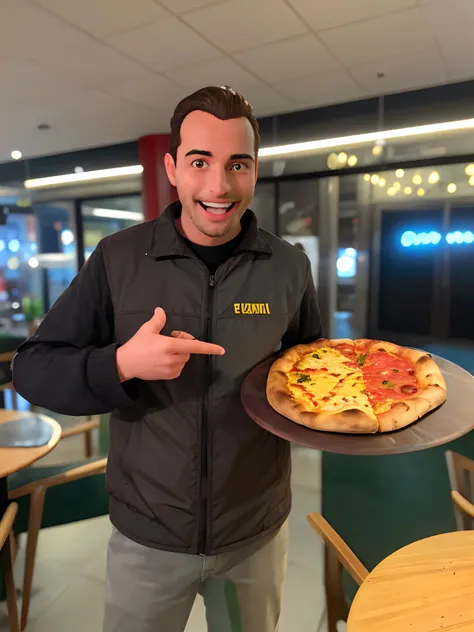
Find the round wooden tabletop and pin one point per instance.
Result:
(426, 586)
(14, 459)
(450, 421)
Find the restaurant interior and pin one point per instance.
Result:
(378, 190)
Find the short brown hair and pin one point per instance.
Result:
(224, 103)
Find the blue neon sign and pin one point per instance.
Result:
(410, 238)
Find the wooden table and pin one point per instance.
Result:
(14, 459)
(423, 587)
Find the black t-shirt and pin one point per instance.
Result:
(214, 256)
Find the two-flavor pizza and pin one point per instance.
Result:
(355, 386)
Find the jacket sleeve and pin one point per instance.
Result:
(69, 364)
(305, 326)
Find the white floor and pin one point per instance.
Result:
(70, 569)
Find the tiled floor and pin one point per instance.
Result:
(70, 570)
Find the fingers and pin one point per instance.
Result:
(176, 365)
(182, 335)
(188, 346)
(158, 320)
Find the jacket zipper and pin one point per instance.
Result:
(204, 431)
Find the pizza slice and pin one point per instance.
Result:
(403, 384)
(321, 386)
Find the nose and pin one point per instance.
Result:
(219, 182)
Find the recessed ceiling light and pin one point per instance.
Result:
(420, 192)
(407, 190)
(451, 187)
(382, 182)
(433, 178)
(399, 173)
(375, 178)
(16, 155)
(417, 179)
(352, 161)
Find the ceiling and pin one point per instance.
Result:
(109, 71)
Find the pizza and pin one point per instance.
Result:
(354, 386)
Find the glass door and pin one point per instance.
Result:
(104, 216)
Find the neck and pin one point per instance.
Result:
(187, 228)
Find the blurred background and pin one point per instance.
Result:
(364, 111)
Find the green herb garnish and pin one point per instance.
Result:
(361, 359)
(303, 378)
(388, 384)
(315, 355)
(396, 371)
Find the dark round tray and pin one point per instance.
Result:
(450, 421)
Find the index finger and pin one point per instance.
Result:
(181, 345)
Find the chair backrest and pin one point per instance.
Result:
(338, 547)
(461, 479)
(6, 522)
(6, 376)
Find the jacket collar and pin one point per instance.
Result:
(167, 241)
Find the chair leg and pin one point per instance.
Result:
(12, 606)
(336, 605)
(88, 443)
(34, 525)
(14, 546)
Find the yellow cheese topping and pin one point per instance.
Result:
(347, 383)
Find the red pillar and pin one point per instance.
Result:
(157, 190)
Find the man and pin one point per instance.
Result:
(160, 327)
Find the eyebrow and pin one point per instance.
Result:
(204, 152)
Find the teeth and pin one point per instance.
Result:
(214, 205)
(215, 208)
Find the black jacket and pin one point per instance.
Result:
(188, 470)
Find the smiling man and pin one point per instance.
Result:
(160, 328)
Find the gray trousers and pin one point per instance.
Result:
(149, 590)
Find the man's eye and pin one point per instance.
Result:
(199, 164)
(238, 166)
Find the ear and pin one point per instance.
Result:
(170, 167)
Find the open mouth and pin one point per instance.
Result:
(216, 208)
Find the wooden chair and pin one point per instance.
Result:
(86, 428)
(337, 557)
(36, 490)
(461, 480)
(7, 557)
(6, 383)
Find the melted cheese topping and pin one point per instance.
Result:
(382, 407)
(329, 377)
(325, 358)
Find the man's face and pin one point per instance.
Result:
(215, 174)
